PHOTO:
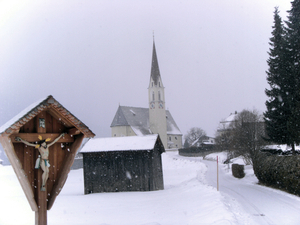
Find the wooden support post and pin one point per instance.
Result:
(41, 214)
(217, 173)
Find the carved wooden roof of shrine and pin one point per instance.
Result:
(54, 108)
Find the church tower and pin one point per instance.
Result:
(156, 93)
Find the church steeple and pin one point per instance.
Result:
(155, 74)
(156, 95)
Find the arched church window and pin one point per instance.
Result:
(159, 98)
(153, 98)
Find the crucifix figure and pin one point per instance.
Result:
(43, 160)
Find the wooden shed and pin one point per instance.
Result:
(123, 164)
(46, 119)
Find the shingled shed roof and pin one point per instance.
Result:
(54, 108)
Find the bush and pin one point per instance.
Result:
(238, 170)
(282, 172)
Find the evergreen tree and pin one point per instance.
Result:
(275, 116)
(293, 67)
(283, 76)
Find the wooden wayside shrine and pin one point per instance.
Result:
(46, 119)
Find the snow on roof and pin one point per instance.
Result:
(50, 104)
(231, 117)
(138, 131)
(132, 112)
(120, 144)
(20, 115)
(172, 127)
(225, 124)
(283, 147)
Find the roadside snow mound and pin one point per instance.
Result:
(186, 200)
(222, 156)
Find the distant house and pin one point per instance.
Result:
(226, 124)
(204, 142)
(123, 164)
(136, 121)
(208, 141)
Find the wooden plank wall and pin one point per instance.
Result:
(28, 155)
(122, 171)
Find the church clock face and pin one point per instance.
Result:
(161, 106)
(152, 106)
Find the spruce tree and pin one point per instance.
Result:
(293, 68)
(275, 116)
(282, 115)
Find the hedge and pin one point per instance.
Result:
(196, 151)
(282, 172)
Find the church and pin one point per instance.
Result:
(137, 121)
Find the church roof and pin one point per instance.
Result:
(155, 74)
(138, 119)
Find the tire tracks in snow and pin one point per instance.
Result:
(264, 204)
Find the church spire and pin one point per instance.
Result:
(155, 74)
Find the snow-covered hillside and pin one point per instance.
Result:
(188, 198)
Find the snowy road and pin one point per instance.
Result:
(264, 205)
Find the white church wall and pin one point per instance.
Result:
(121, 131)
(174, 141)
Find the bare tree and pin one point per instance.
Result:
(244, 136)
(247, 135)
(194, 135)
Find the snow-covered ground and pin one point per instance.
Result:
(189, 197)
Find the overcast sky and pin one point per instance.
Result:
(94, 55)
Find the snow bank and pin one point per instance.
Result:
(186, 200)
(222, 156)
